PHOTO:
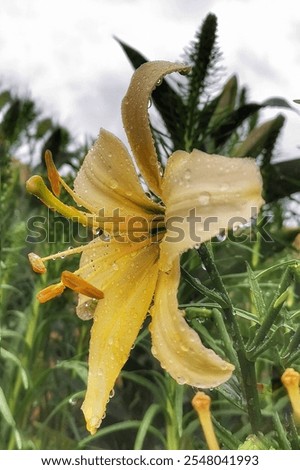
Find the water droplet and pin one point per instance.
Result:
(149, 103)
(72, 401)
(187, 175)
(224, 186)
(86, 310)
(180, 380)
(221, 236)
(204, 198)
(115, 266)
(159, 82)
(113, 184)
(112, 393)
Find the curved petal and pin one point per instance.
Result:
(136, 120)
(176, 345)
(107, 179)
(117, 321)
(204, 195)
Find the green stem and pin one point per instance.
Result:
(247, 367)
(174, 413)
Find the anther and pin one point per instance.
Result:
(37, 263)
(77, 284)
(50, 292)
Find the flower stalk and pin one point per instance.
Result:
(246, 366)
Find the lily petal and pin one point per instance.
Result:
(107, 179)
(176, 345)
(101, 263)
(136, 120)
(117, 321)
(204, 195)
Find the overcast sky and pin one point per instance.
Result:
(63, 53)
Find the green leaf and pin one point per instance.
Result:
(225, 102)
(277, 102)
(230, 123)
(5, 97)
(43, 126)
(260, 138)
(210, 294)
(145, 424)
(257, 443)
(256, 293)
(79, 367)
(13, 358)
(282, 180)
(5, 410)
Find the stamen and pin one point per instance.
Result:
(50, 292)
(53, 175)
(291, 380)
(201, 404)
(37, 263)
(77, 284)
(36, 186)
(56, 181)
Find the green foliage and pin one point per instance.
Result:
(240, 293)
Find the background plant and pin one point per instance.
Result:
(242, 297)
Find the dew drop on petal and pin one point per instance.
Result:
(112, 393)
(115, 266)
(224, 186)
(113, 184)
(187, 175)
(204, 198)
(86, 310)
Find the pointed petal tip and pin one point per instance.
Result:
(136, 120)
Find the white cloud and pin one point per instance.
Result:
(64, 51)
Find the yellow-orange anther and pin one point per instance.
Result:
(53, 175)
(201, 404)
(77, 284)
(50, 292)
(37, 263)
(291, 380)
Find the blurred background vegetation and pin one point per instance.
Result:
(44, 348)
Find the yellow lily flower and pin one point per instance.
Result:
(135, 268)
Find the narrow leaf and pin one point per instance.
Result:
(5, 410)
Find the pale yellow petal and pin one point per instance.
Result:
(107, 179)
(117, 321)
(99, 265)
(176, 345)
(136, 120)
(205, 194)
